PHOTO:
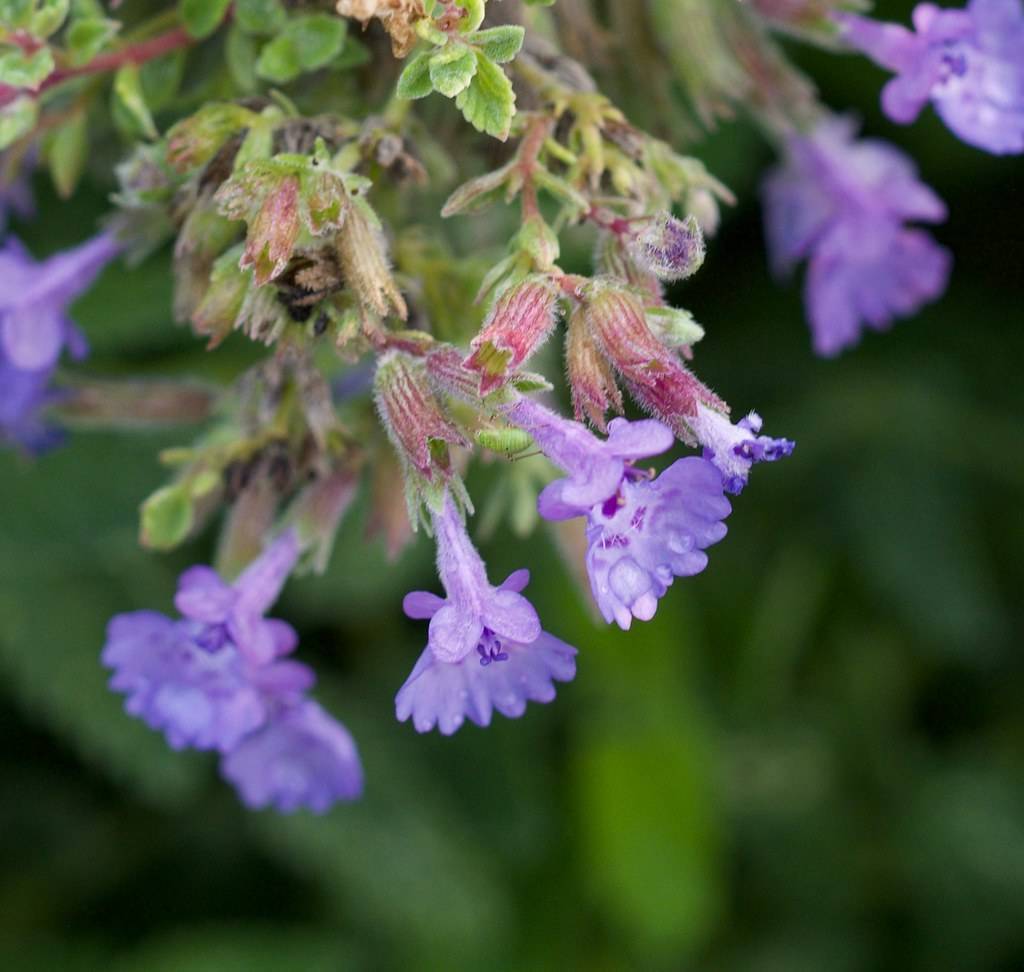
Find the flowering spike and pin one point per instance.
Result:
(842, 204)
(968, 63)
(486, 649)
(517, 325)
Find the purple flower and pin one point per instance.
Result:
(485, 649)
(23, 397)
(842, 205)
(217, 679)
(34, 296)
(733, 449)
(301, 757)
(595, 467)
(969, 63)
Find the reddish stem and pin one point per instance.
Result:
(138, 53)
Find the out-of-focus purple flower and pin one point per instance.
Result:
(650, 532)
(733, 449)
(216, 679)
(842, 204)
(199, 693)
(969, 63)
(595, 467)
(23, 396)
(301, 757)
(234, 612)
(485, 650)
(34, 297)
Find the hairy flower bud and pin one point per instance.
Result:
(656, 377)
(218, 310)
(362, 255)
(612, 259)
(414, 419)
(592, 383)
(192, 142)
(450, 376)
(518, 324)
(273, 232)
(670, 248)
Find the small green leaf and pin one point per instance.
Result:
(66, 153)
(128, 92)
(414, 81)
(87, 36)
(489, 102)
(240, 52)
(500, 44)
(279, 60)
(16, 119)
(473, 17)
(260, 16)
(319, 37)
(166, 518)
(202, 17)
(47, 19)
(452, 69)
(21, 70)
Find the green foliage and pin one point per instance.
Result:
(307, 43)
(202, 17)
(489, 101)
(16, 118)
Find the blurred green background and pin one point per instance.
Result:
(812, 759)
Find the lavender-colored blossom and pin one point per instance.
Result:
(968, 63)
(301, 757)
(650, 532)
(842, 205)
(23, 397)
(734, 448)
(486, 649)
(595, 466)
(34, 297)
(210, 679)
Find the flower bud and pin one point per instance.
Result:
(361, 253)
(611, 259)
(592, 383)
(450, 376)
(193, 141)
(669, 248)
(273, 232)
(518, 324)
(655, 376)
(324, 200)
(218, 310)
(414, 419)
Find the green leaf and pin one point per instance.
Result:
(279, 60)
(474, 15)
(16, 119)
(489, 102)
(128, 92)
(240, 52)
(49, 16)
(452, 69)
(21, 70)
(202, 17)
(260, 16)
(500, 44)
(161, 79)
(166, 517)
(87, 36)
(319, 37)
(66, 153)
(414, 81)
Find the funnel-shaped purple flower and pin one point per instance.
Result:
(843, 204)
(650, 532)
(968, 63)
(486, 649)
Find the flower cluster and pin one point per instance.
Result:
(391, 358)
(219, 678)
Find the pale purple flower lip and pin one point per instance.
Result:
(733, 449)
(217, 679)
(968, 63)
(842, 204)
(486, 649)
(654, 530)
